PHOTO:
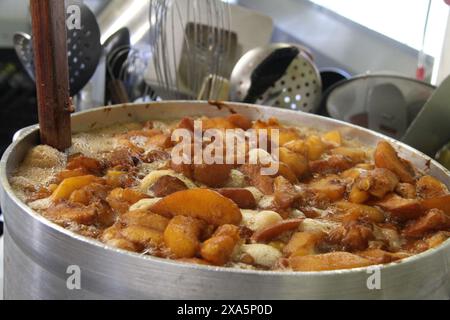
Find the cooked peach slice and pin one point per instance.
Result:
(328, 261)
(121, 157)
(186, 123)
(105, 216)
(352, 174)
(213, 175)
(274, 231)
(357, 195)
(378, 182)
(155, 155)
(297, 146)
(257, 179)
(295, 161)
(203, 204)
(365, 166)
(89, 194)
(315, 146)
(166, 185)
(286, 136)
(80, 196)
(400, 208)
(110, 233)
(332, 164)
(284, 193)
(65, 174)
(41, 193)
(67, 213)
(182, 236)
(441, 203)
(240, 121)
(145, 237)
(379, 256)
(160, 141)
(330, 188)
(434, 220)
(184, 169)
(386, 157)
(356, 155)
(406, 190)
(121, 199)
(430, 187)
(351, 236)
(270, 123)
(302, 244)
(119, 179)
(353, 211)
(285, 171)
(69, 185)
(91, 165)
(242, 197)
(333, 137)
(219, 248)
(217, 123)
(145, 219)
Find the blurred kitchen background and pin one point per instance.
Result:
(373, 63)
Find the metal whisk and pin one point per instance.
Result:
(127, 84)
(192, 48)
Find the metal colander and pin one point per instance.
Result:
(298, 86)
(384, 103)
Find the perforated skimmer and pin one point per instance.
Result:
(297, 86)
(83, 50)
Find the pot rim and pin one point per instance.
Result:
(8, 191)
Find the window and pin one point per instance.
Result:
(401, 20)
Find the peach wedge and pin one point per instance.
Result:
(204, 204)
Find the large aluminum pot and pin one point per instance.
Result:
(38, 254)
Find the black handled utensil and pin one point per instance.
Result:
(83, 50)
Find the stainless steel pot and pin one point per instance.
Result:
(39, 253)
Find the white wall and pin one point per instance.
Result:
(444, 67)
(356, 48)
(14, 17)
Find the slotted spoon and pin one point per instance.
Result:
(83, 50)
(297, 87)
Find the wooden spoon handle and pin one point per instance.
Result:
(52, 72)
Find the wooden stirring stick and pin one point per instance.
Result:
(52, 72)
